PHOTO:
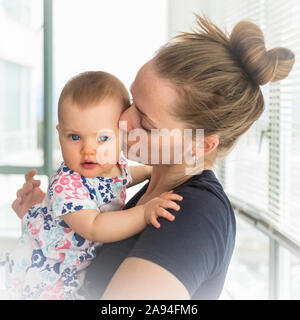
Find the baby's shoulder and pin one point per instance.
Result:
(65, 174)
(65, 178)
(66, 184)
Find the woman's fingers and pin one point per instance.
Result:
(36, 183)
(30, 174)
(16, 206)
(29, 195)
(27, 188)
(29, 178)
(37, 196)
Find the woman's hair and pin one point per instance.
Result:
(89, 88)
(218, 77)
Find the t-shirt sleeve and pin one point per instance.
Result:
(68, 193)
(192, 246)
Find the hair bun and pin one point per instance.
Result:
(262, 66)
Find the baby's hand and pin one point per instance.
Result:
(156, 207)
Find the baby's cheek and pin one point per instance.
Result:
(107, 153)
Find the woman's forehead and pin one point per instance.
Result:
(153, 95)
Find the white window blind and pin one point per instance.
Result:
(264, 168)
(247, 166)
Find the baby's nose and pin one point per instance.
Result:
(88, 149)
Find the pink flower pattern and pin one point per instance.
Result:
(52, 255)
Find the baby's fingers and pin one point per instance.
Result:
(154, 222)
(161, 212)
(171, 196)
(169, 204)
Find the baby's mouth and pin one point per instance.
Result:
(89, 164)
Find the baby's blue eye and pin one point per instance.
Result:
(74, 137)
(102, 138)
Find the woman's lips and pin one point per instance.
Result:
(89, 165)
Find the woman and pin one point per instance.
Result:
(208, 80)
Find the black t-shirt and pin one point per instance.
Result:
(196, 247)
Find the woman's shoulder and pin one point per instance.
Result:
(206, 181)
(203, 194)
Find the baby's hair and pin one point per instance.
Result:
(89, 88)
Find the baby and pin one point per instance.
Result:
(85, 197)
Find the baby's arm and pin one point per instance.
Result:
(139, 174)
(118, 225)
(107, 226)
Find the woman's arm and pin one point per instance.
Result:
(176, 260)
(140, 279)
(139, 174)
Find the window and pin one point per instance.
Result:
(21, 85)
(267, 157)
(21, 96)
(247, 277)
(261, 175)
(19, 10)
(289, 275)
(114, 36)
(18, 128)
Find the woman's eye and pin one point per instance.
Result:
(74, 137)
(147, 130)
(143, 127)
(103, 138)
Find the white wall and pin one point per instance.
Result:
(181, 17)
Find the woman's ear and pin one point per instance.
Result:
(210, 143)
(57, 128)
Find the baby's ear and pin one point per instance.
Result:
(57, 127)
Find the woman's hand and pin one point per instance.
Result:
(157, 207)
(29, 195)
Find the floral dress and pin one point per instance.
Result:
(50, 258)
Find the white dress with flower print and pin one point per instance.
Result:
(50, 258)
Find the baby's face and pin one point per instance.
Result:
(89, 137)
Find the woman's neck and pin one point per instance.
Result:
(167, 177)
